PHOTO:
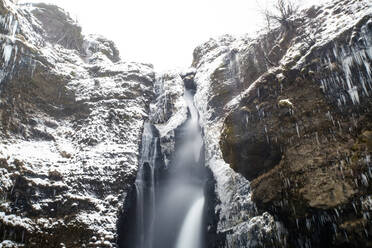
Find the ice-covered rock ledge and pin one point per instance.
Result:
(71, 117)
(290, 110)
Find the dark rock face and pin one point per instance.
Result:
(300, 136)
(246, 146)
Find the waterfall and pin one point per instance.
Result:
(180, 206)
(170, 200)
(190, 235)
(145, 187)
(193, 128)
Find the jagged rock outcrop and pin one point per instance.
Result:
(300, 131)
(71, 120)
(239, 220)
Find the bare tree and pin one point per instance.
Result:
(281, 12)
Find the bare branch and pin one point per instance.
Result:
(281, 13)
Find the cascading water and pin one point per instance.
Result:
(192, 226)
(170, 201)
(188, 155)
(145, 187)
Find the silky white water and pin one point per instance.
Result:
(170, 200)
(194, 141)
(148, 157)
(190, 235)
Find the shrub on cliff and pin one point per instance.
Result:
(280, 13)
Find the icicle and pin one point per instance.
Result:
(355, 208)
(366, 215)
(308, 224)
(346, 237)
(298, 131)
(364, 180)
(15, 26)
(7, 53)
(334, 228)
(339, 126)
(363, 84)
(342, 172)
(337, 213)
(353, 92)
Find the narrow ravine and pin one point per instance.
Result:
(169, 202)
(265, 141)
(182, 187)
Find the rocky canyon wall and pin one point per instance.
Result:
(71, 121)
(285, 116)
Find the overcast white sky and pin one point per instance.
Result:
(163, 32)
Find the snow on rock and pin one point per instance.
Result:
(9, 244)
(72, 115)
(220, 74)
(95, 43)
(16, 221)
(229, 69)
(233, 190)
(258, 232)
(169, 109)
(7, 53)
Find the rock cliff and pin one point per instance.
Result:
(300, 131)
(286, 119)
(71, 120)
